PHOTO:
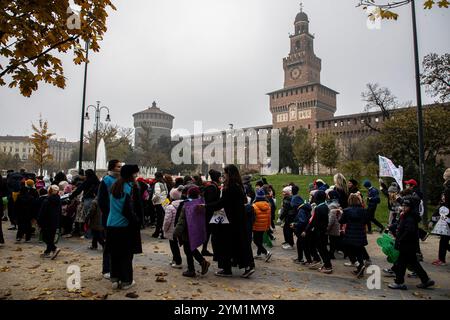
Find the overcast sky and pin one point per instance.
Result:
(215, 60)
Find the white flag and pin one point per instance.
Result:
(388, 169)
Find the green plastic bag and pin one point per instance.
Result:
(267, 241)
(387, 244)
(5, 202)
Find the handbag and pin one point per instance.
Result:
(219, 217)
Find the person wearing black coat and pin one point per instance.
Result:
(303, 243)
(211, 194)
(49, 221)
(14, 184)
(26, 210)
(233, 245)
(355, 217)
(406, 244)
(317, 227)
(3, 193)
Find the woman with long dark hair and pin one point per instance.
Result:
(123, 227)
(232, 239)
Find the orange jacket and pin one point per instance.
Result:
(263, 214)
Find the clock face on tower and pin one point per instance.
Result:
(295, 73)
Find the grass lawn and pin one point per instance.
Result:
(277, 181)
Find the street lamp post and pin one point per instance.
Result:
(419, 111)
(83, 106)
(97, 110)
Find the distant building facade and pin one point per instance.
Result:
(61, 150)
(151, 123)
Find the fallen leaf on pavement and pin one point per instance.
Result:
(132, 295)
(292, 289)
(4, 269)
(276, 296)
(87, 294)
(49, 270)
(161, 274)
(160, 279)
(35, 266)
(18, 249)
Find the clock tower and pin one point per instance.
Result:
(301, 66)
(303, 99)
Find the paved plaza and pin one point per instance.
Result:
(24, 275)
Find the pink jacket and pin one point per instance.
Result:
(169, 218)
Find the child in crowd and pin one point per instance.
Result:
(169, 225)
(334, 226)
(406, 244)
(191, 231)
(262, 223)
(48, 220)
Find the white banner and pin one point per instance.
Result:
(388, 169)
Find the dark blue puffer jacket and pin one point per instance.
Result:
(302, 218)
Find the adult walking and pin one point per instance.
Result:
(123, 227)
(26, 210)
(211, 194)
(233, 242)
(103, 198)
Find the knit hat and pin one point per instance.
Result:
(175, 193)
(367, 184)
(40, 184)
(260, 194)
(29, 183)
(287, 189)
(193, 192)
(127, 171)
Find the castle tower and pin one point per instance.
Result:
(303, 99)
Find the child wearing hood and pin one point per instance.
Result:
(303, 242)
(169, 225)
(186, 239)
(262, 222)
(317, 227)
(334, 227)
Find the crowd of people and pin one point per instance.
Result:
(226, 213)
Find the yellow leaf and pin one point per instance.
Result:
(428, 4)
